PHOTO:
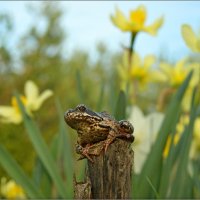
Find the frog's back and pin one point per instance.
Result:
(94, 134)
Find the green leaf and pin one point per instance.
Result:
(17, 173)
(153, 188)
(79, 86)
(112, 98)
(42, 150)
(42, 178)
(171, 161)
(100, 100)
(120, 108)
(65, 152)
(181, 179)
(153, 164)
(168, 164)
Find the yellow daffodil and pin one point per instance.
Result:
(180, 127)
(173, 75)
(11, 114)
(183, 122)
(32, 101)
(146, 129)
(139, 71)
(11, 190)
(136, 21)
(191, 39)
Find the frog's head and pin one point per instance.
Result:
(127, 129)
(81, 116)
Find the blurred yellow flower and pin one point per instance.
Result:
(136, 21)
(146, 129)
(11, 114)
(183, 122)
(190, 38)
(139, 71)
(32, 101)
(195, 145)
(173, 75)
(10, 190)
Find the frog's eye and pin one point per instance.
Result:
(126, 125)
(79, 149)
(81, 108)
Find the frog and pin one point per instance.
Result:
(96, 148)
(93, 127)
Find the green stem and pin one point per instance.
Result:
(131, 50)
(133, 36)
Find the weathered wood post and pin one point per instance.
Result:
(110, 175)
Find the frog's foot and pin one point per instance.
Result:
(112, 137)
(84, 152)
(129, 137)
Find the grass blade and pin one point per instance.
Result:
(42, 178)
(120, 108)
(66, 153)
(180, 183)
(168, 164)
(79, 86)
(42, 150)
(16, 172)
(112, 96)
(101, 96)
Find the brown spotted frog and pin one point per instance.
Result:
(94, 127)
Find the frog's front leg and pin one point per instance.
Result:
(111, 137)
(113, 134)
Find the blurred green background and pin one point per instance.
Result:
(41, 60)
(75, 76)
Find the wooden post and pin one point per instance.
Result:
(110, 174)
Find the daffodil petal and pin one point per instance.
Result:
(120, 20)
(138, 17)
(157, 76)
(11, 190)
(153, 29)
(149, 61)
(136, 60)
(190, 38)
(144, 137)
(9, 115)
(137, 115)
(31, 92)
(166, 68)
(155, 120)
(180, 64)
(45, 95)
